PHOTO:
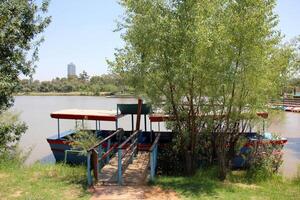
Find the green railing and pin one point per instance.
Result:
(128, 149)
(153, 157)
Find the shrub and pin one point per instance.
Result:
(265, 160)
(11, 130)
(83, 140)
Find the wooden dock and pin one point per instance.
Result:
(134, 174)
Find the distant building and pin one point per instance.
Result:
(71, 70)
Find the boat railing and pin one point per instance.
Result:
(127, 150)
(100, 156)
(153, 157)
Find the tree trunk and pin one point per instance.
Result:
(222, 157)
(188, 163)
(222, 166)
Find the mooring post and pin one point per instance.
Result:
(89, 175)
(120, 166)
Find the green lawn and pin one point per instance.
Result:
(59, 181)
(41, 181)
(204, 185)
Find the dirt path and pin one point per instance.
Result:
(132, 193)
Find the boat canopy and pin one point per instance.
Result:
(127, 109)
(101, 115)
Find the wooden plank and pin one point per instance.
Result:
(134, 174)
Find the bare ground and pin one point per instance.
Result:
(132, 193)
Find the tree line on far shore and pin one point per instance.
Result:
(94, 85)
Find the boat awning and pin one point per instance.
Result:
(101, 115)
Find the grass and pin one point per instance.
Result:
(204, 185)
(41, 181)
(45, 181)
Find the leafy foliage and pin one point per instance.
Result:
(214, 64)
(85, 84)
(84, 140)
(11, 130)
(20, 23)
(265, 162)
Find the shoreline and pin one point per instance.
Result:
(101, 94)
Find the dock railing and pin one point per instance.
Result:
(153, 157)
(100, 156)
(127, 149)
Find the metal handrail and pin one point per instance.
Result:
(128, 139)
(153, 157)
(133, 147)
(155, 142)
(120, 130)
(96, 156)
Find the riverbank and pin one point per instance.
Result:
(42, 181)
(103, 94)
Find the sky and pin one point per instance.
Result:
(81, 32)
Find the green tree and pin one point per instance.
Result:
(21, 21)
(83, 76)
(213, 63)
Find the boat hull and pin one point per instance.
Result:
(59, 146)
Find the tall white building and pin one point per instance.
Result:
(71, 70)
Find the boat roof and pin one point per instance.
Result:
(101, 115)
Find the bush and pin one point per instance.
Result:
(266, 158)
(84, 140)
(11, 130)
(169, 161)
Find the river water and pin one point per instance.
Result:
(35, 111)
